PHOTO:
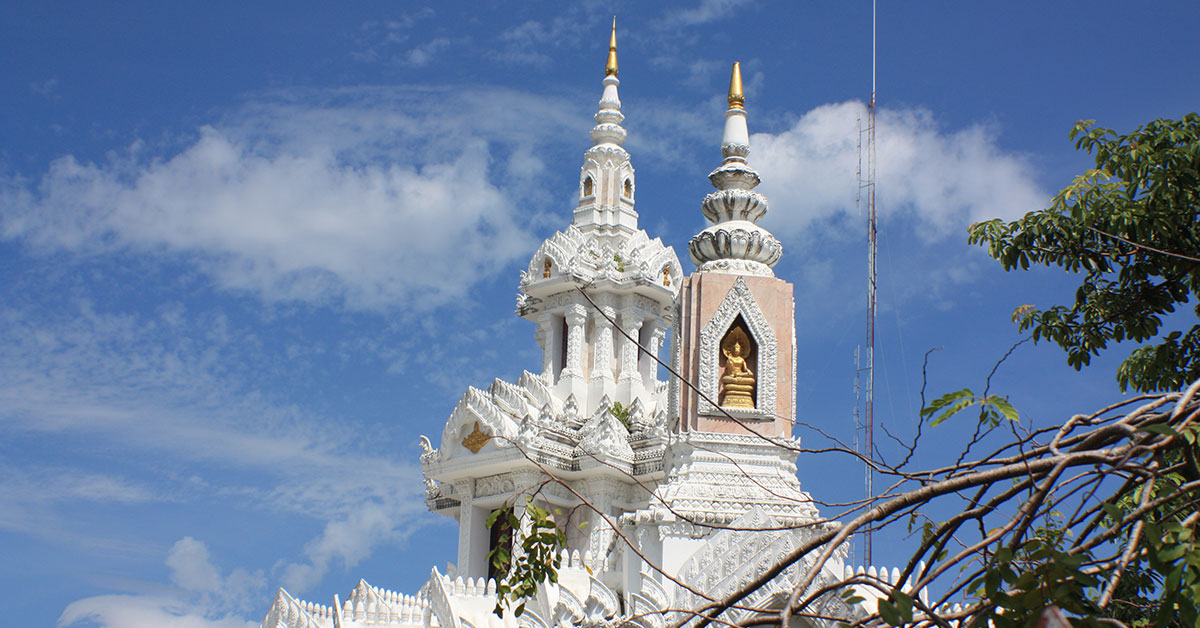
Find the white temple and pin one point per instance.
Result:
(668, 492)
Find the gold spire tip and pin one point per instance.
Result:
(610, 69)
(737, 97)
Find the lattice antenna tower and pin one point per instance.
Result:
(866, 181)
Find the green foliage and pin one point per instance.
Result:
(1131, 226)
(897, 609)
(992, 408)
(622, 414)
(1020, 583)
(537, 560)
(1173, 553)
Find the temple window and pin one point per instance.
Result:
(587, 186)
(500, 535)
(560, 337)
(628, 188)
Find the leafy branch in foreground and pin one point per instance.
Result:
(522, 566)
(992, 408)
(1131, 226)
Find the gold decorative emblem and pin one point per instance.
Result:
(737, 386)
(666, 275)
(476, 439)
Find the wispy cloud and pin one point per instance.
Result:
(137, 385)
(425, 53)
(47, 89)
(381, 39)
(705, 11)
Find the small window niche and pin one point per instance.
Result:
(500, 537)
(629, 189)
(739, 368)
(588, 186)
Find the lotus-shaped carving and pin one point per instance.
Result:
(737, 240)
(734, 204)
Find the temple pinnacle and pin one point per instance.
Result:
(737, 97)
(610, 69)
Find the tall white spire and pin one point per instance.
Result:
(606, 181)
(734, 243)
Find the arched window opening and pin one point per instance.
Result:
(587, 186)
(628, 188)
(561, 335)
(500, 542)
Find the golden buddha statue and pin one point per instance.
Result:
(737, 385)
(546, 269)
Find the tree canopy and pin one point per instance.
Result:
(1130, 226)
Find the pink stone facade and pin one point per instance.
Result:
(702, 294)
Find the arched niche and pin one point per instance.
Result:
(739, 303)
(738, 363)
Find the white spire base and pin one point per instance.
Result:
(736, 133)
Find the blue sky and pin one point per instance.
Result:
(249, 253)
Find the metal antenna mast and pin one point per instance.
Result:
(872, 247)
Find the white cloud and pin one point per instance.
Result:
(191, 567)
(945, 180)
(204, 598)
(370, 203)
(143, 611)
(346, 541)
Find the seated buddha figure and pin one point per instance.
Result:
(737, 383)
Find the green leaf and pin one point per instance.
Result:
(1158, 428)
(888, 613)
(1005, 408)
(945, 400)
(904, 605)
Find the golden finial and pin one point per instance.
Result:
(611, 68)
(737, 97)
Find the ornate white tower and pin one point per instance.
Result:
(731, 452)
(595, 416)
(590, 343)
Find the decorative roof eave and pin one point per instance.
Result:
(571, 257)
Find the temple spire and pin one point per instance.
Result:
(737, 97)
(734, 243)
(606, 186)
(735, 144)
(610, 69)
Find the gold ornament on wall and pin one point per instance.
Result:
(476, 439)
(737, 383)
